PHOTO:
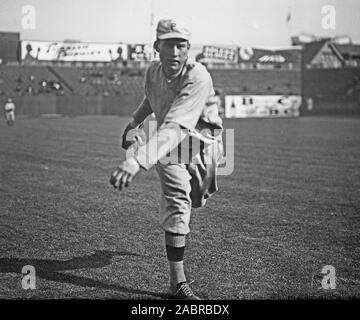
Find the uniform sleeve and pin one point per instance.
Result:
(143, 110)
(190, 102)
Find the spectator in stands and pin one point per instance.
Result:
(29, 89)
(310, 104)
(119, 58)
(56, 86)
(29, 58)
(120, 51)
(233, 109)
(43, 85)
(19, 79)
(10, 112)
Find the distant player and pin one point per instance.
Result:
(10, 112)
(181, 95)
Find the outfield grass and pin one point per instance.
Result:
(290, 207)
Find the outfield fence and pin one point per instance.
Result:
(75, 105)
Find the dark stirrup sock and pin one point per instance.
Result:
(175, 247)
(175, 254)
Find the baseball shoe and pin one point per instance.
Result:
(182, 291)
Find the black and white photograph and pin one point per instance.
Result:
(179, 150)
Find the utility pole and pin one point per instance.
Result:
(152, 27)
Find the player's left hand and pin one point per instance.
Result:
(124, 174)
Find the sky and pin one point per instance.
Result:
(221, 22)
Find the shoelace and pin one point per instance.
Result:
(186, 289)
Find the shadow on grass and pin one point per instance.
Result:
(51, 270)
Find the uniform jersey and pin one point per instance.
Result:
(188, 101)
(9, 107)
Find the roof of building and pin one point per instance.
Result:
(348, 49)
(313, 48)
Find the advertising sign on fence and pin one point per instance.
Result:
(213, 53)
(254, 106)
(72, 51)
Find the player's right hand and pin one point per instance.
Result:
(124, 174)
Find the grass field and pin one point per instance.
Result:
(291, 206)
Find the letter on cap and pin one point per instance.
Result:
(169, 29)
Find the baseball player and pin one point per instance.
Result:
(180, 94)
(10, 112)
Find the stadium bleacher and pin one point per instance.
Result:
(72, 77)
(116, 81)
(16, 80)
(111, 82)
(330, 84)
(252, 82)
(125, 85)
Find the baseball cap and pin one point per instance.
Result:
(169, 28)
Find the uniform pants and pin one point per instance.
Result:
(175, 207)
